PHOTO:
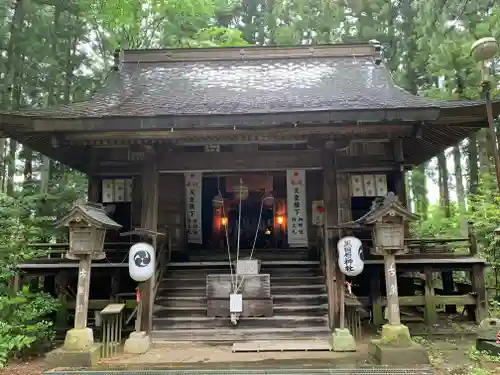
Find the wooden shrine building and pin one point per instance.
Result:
(304, 137)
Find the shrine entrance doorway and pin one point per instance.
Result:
(253, 210)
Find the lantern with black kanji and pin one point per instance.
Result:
(87, 226)
(388, 218)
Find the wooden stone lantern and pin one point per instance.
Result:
(387, 220)
(87, 226)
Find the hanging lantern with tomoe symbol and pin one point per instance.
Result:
(218, 201)
(268, 199)
(241, 191)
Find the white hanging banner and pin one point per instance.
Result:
(193, 181)
(296, 208)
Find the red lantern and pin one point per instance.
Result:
(137, 295)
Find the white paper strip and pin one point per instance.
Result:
(369, 185)
(119, 191)
(381, 184)
(296, 208)
(108, 191)
(236, 303)
(357, 185)
(129, 183)
(193, 181)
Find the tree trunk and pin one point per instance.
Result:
(444, 192)
(12, 66)
(457, 158)
(472, 161)
(419, 190)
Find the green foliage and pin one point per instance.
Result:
(23, 316)
(23, 322)
(437, 224)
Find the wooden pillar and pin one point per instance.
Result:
(94, 182)
(82, 292)
(391, 283)
(331, 218)
(94, 189)
(448, 289)
(149, 221)
(430, 301)
(377, 310)
(472, 239)
(479, 288)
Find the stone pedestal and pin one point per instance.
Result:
(488, 336)
(343, 341)
(137, 343)
(79, 350)
(395, 348)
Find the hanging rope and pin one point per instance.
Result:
(254, 243)
(233, 277)
(239, 235)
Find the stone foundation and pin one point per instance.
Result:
(137, 343)
(79, 350)
(396, 348)
(73, 358)
(343, 341)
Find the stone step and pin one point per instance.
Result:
(260, 256)
(278, 300)
(225, 264)
(200, 291)
(229, 335)
(275, 280)
(203, 272)
(278, 310)
(193, 322)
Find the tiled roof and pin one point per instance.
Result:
(244, 87)
(92, 213)
(219, 86)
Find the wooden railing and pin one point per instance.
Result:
(163, 257)
(44, 252)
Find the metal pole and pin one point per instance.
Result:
(491, 128)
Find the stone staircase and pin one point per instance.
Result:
(297, 286)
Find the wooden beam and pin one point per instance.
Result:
(239, 161)
(177, 162)
(236, 133)
(248, 53)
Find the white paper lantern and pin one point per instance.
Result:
(350, 256)
(141, 261)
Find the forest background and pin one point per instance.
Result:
(59, 51)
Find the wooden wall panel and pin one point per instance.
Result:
(314, 191)
(344, 197)
(171, 207)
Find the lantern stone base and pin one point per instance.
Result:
(396, 348)
(488, 346)
(137, 343)
(396, 335)
(79, 350)
(343, 341)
